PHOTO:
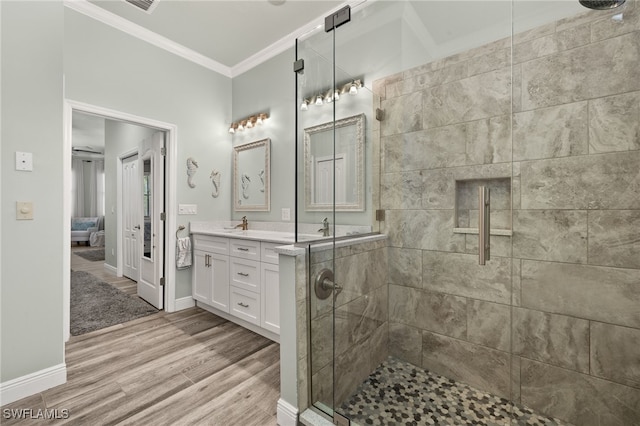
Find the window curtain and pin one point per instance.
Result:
(88, 188)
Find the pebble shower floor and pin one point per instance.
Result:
(399, 393)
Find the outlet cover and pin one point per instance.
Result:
(286, 214)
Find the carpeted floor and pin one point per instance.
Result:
(93, 255)
(96, 304)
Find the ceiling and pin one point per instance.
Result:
(228, 32)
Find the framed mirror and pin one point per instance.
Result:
(319, 162)
(251, 176)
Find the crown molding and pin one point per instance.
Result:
(135, 30)
(288, 41)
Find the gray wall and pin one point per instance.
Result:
(567, 282)
(119, 137)
(110, 69)
(32, 267)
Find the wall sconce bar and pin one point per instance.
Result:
(248, 123)
(330, 95)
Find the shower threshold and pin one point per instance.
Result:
(399, 393)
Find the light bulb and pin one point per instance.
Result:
(240, 127)
(259, 120)
(353, 90)
(232, 130)
(319, 100)
(304, 106)
(336, 95)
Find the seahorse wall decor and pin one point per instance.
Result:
(215, 179)
(246, 180)
(192, 167)
(261, 175)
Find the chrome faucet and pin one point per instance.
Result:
(325, 228)
(244, 225)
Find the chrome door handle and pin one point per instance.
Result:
(484, 226)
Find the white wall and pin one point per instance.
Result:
(120, 138)
(108, 68)
(32, 250)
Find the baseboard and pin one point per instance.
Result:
(111, 269)
(287, 414)
(185, 303)
(33, 383)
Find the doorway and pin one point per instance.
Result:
(165, 296)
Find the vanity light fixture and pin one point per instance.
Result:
(332, 95)
(248, 123)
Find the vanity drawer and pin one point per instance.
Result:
(268, 254)
(245, 304)
(245, 274)
(246, 249)
(211, 244)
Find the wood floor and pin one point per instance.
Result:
(184, 368)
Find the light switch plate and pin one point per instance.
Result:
(187, 209)
(286, 214)
(24, 161)
(24, 210)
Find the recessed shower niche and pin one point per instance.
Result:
(466, 207)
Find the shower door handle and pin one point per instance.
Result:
(484, 226)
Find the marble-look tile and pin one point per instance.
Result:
(555, 339)
(578, 398)
(440, 189)
(423, 229)
(517, 88)
(516, 282)
(614, 238)
(481, 96)
(515, 379)
(607, 181)
(424, 68)
(481, 367)
(402, 114)
(433, 78)
(614, 123)
(427, 149)
(405, 342)
(592, 292)
(405, 267)
(301, 278)
(357, 320)
(500, 194)
(322, 386)
(615, 353)
(582, 18)
(499, 245)
(556, 235)
(489, 62)
(606, 27)
(303, 384)
(321, 350)
(553, 43)
(354, 365)
(360, 274)
(582, 73)
(460, 275)
(302, 329)
(402, 190)
(550, 132)
(436, 312)
(488, 324)
(489, 141)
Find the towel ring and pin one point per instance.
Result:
(180, 228)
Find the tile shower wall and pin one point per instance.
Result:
(553, 320)
(361, 319)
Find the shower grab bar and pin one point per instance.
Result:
(484, 205)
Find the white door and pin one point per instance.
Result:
(151, 241)
(325, 169)
(131, 217)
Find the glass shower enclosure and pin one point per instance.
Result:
(494, 147)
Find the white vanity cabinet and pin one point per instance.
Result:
(211, 271)
(239, 279)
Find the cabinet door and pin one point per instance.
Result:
(220, 282)
(270, 294)
(201, 281)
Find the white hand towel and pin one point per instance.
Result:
(183, 253)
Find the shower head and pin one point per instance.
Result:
(601, 4)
